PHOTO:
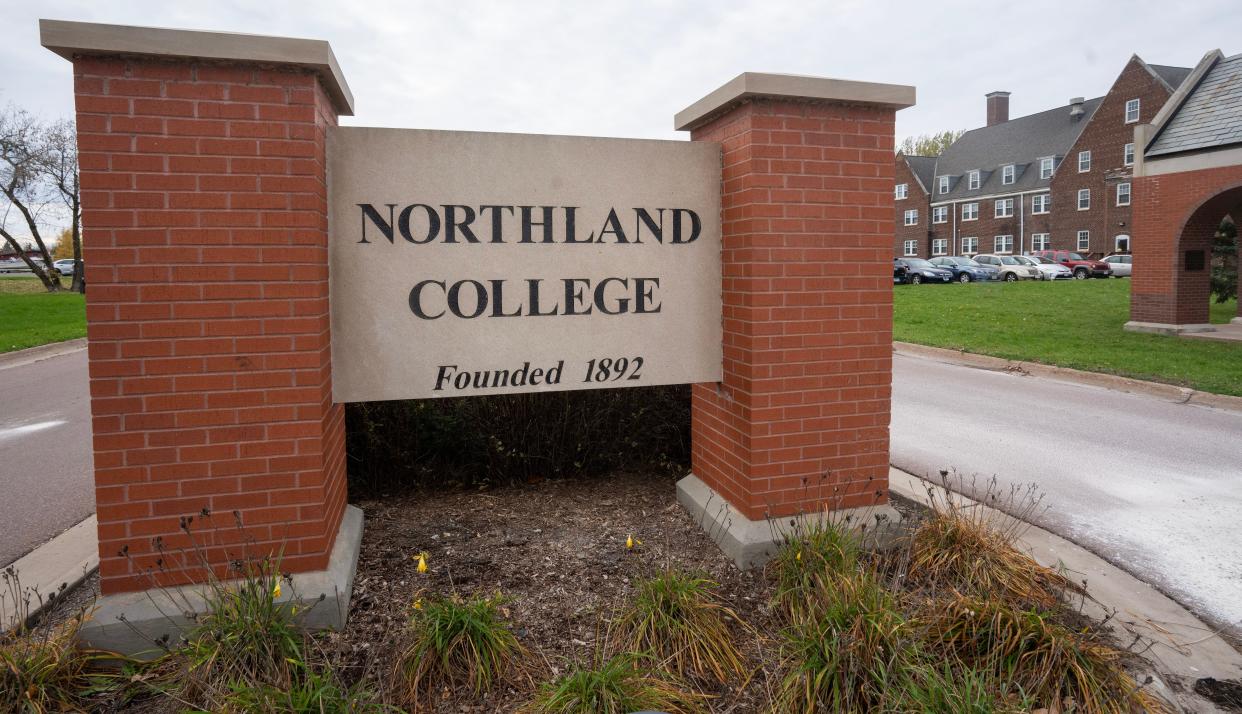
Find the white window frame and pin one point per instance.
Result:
(1133, 108)
(901, 191)
(1047, 166)
(1040, 203)
(940, 214)
(911, 217)
(943, 185)
(1083, 244)
(1002, 203)
(940, 246)
(1127, 155)
(1125, 194)
(1117, 243)
(1041, 241)
(974, 210)
(999, 242)
(970, 245)
(910, 249)
(1084, 193)
(1084, 161)
(972, 180)
(1009, 174)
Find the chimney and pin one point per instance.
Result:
(1076, 110)
(998, 107)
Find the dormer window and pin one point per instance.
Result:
(972, 180)
(944, 184)
(1045, 167)
(1007, 175)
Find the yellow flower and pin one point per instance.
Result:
(629, 541)
(418, 604)
(422, 562)
(799, 557)
(276, 590)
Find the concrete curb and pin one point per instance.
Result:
(1167, 392)
(42, 352)
(1185, 647)
(59, 564)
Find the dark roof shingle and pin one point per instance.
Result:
(1211, 115)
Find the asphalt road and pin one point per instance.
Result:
(46, 482)
(1152, 486)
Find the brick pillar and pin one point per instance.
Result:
(800, 422)
(205, 215)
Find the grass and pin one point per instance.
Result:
(678, 618)
(812, 556)
(45, 671)
(454, 641)
(29, 316)
(620, 685)
(1075, 324)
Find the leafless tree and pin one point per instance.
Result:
(39, 185)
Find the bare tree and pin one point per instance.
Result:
(39, 180)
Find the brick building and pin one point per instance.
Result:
(1055, 179)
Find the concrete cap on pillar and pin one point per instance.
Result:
(68, 39)
(748, 85)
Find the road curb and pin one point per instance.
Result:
(1167, 392)
(42, 352)
(1185, 645)
(57, 566)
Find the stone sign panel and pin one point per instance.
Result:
(465, 263)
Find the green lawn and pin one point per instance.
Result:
(1071, 324)
(29, 316)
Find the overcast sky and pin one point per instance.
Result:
(624, 69)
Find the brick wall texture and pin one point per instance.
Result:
(1175, 213)
(205, 215)
(801, 420)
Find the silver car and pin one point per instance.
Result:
(1048, 269)
(1011, 269)
(1120, 264)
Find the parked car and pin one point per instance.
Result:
(964, 269)
(1082, 268)
(1048, 270)
(899, 272)
(1120, 264)
(64, 266)
(1011, 269)
(921, 271)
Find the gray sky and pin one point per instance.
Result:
(624, 68)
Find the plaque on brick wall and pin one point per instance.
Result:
(467, 263)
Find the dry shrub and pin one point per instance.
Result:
(624, 684)
(678, 619)
(44, 670)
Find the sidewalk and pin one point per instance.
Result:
(61, 563)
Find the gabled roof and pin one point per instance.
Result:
(1209, 116)
(1172, 76)
(1022, 142)
(923, 168)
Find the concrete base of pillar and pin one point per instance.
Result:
(752, 543)
(152, 614)
(1236, 321)
(1162, 328)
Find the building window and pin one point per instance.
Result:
(1132, 111)
(1084, 162)
(901, 191)
(1040, 203)
(940, 246)
(1040, 241)
(1004, 207)
(1046, 166)
(972, 180)
(1007, 175)
(1123, 194)
(1123, 243)
(912, 217)
(970, 245)
(970, 211)
(1084, 241)
(1084, 199)
(1128, 159)
(940, 214)
(911, 248)
(944, 184)
(1003, 244)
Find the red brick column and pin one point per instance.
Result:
(800, 422)
(205, 215)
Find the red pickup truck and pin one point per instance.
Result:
(1083, 268)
